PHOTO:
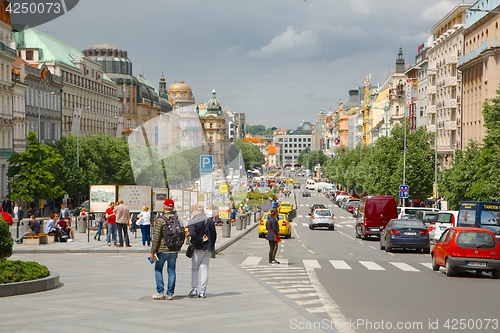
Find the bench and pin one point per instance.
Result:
(36, 239)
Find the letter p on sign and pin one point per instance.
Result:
(206, 164)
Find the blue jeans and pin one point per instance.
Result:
(111, 232)
(146, 234)
(20, 240)
(123, 233)
(171, 259)
(99, 229)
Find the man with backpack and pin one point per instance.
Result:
(165, 248)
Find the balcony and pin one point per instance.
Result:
(431, 72)
(450, 125)
(450, 103)
(452, 60)
(451, 81)
(431, 109)
(431, 90)
(431, 128)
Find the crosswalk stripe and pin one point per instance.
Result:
(426, 264)
(251, 261)
(305, 224)
(404, 266)
(372, 266)
(339, 226)
(311, 263)
(340, 264)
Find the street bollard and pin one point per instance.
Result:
(248, 218)
(226, 228)
(239, 221)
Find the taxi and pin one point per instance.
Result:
(285, 229)
(285, 207)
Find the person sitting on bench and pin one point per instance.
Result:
(34, 228)
(51, 228)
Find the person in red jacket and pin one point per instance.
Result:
(111, 225)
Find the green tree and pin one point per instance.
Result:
(303, 158)
(34, 173)
(251, 154)
(256, 129)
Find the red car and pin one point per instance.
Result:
(467, 249)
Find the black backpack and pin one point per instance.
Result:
(174, 233)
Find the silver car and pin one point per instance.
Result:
(322, 218)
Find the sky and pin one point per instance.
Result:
(278, 61)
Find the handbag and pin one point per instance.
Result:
(190, 248)
(277, 239)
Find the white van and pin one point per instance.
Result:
(322, 186)
(310, 184)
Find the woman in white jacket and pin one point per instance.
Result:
(144, 221)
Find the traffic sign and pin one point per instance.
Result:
(262, 184)
(206, 163)
(404, 191)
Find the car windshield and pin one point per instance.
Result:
(407, 224)
(475, 239)
(322, 213)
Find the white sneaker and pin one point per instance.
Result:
(69, 240)
(159, 296)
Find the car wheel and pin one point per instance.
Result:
(331, 227)
(496, 274)
(382, 246)
(426, 250)
(363, 236)
(387, 248)
(435, 267)
(449, 270)
(311, 227)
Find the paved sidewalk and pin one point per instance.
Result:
(84, 243)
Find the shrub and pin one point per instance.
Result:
(6, 241)
(17, 271)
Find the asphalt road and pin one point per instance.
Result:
(370, 289)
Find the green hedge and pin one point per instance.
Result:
(17, 271)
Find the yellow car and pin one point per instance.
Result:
(285, 207)
(284, 226)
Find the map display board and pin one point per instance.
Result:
(160, 194)
(101, 196)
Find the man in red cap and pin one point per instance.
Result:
(161, 254)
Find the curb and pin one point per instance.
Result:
(28, 287)
(231, 241)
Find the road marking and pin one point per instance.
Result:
(348, 225)
(427, 264)
(311, 263)
(340, 264)
(299, 215)
(404, 266)
(251, 261)
(340, 232)
(305, 224)
(373, 247)
(372, 266)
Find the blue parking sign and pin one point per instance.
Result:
(404, 191)
(206, 163)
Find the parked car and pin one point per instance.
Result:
(76, 211)
(374, 212)
(352, 206)
(444, 220)
(285, 229)
(480, 214)
(349, 201)
(405, 234)
(426, 216)
(322, 218)
(306, 193)
(467, 248)
(412, 211)
(316, 206)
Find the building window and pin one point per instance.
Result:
(421, 111)
(30, 56)
(397, 110)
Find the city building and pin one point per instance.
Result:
(19, 104)
(479, 63)
(444, 83)
(292, 143)
(87, 91)
(139, 100)
(7, 57)
(397, 96)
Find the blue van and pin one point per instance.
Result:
(480, 214)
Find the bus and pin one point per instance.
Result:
(480, 214)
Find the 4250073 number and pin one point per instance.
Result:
(34, 8)
(471, 324)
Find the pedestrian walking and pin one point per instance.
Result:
(15, 210)
(272, 235)
(161, 254)
(144, 222)
(122, 222)
(64, 212)
(203, 237)
(111, 225)
(101, 218)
